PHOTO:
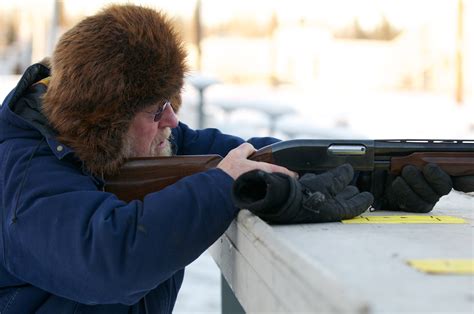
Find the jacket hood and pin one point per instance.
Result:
(22, 106)
(106, 69)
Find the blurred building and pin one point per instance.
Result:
(317, 44)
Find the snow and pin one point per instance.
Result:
(200, 292)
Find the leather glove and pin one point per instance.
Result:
(278, 198)
(419, 190)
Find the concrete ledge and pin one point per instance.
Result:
(268, 275)
(341, 268)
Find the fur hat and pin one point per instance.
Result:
(106, 69)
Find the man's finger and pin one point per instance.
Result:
(407, 199)
(438, 179)
(276, 168)
(331, 182)
(464, 183)
(338, 208)
(349, 192)
(417, 182)
(358, 204)
(244, 150)
(338, 178)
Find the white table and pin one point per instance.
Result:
(347, 268)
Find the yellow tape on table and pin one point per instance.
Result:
(444, 266)
(409, 219)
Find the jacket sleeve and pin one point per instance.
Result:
(211, 141)
(78, 242)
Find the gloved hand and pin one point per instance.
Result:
(419, 190)
(278, 198)
(463, 183)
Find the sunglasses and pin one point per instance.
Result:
(159, 113)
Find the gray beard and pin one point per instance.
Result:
(155, 151)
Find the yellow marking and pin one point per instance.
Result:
(44, 81)
(410, 219)
(444, 266)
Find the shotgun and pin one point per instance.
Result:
(140, 176)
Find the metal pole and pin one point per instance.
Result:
(57, 8)
(201, 121)
(198, 33)
(230, 304)
(459, 55)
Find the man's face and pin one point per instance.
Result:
(147, 138)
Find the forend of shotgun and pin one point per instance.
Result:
(456, 157)
(140, 176)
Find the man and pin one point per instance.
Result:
(68, 246)
(111, 92)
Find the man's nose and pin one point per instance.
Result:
(168, 119)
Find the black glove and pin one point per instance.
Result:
(419, 190)
(463, 183)
(278, 198)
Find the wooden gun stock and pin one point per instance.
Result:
(454, 164)
(140, 176)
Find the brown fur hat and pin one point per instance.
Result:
(106, 69)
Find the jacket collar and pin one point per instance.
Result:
(22, 108)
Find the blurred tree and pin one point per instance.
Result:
(240, 26)
(383, 31)
(198, 33)
(359, 33)
(11, 33)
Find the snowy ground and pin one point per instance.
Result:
(200, 292)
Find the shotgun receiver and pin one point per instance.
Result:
(140, 176)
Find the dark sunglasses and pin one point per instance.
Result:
(159, 113)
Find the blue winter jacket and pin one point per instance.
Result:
(66, 246)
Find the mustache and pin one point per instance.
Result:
(162, 138)
(154, 150)
(161, 145)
